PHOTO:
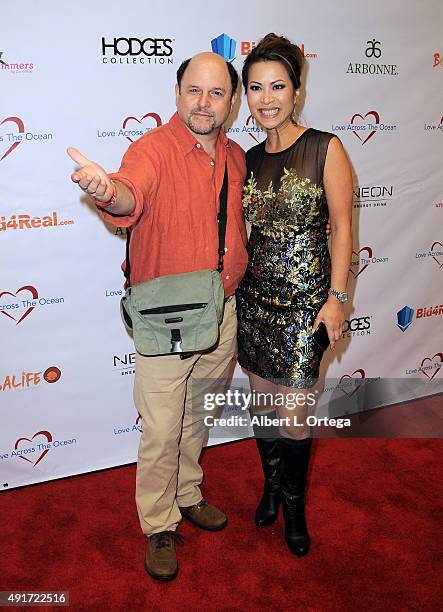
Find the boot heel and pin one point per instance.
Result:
(267, 509)
(296, 531)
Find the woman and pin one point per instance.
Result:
(296, 179)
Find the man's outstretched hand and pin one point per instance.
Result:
(91, 177)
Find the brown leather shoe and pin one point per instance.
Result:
(161, 560)
(205, 516)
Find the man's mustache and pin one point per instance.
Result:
(202, 111)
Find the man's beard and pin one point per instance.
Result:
(198, 130)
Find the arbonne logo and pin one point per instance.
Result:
(373, 51)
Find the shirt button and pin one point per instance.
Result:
(198, 145)
(226, 249)
(227, 276)
(212, 163)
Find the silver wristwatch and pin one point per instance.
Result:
(340, 295)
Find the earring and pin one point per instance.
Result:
(294, 115)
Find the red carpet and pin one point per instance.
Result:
(373, 510)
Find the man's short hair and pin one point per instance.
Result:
(232, 73)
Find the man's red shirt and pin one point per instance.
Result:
(176, 187)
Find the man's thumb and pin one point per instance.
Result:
(75, 155)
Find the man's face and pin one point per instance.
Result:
(204, 99)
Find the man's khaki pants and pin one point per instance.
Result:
(169, 395)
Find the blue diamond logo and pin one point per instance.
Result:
(225, 46)
(404, 317)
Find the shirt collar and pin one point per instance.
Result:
(186, 139)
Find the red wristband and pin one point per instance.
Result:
(111, 201)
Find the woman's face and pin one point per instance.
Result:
(271, 94)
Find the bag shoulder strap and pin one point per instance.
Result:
(222, 219)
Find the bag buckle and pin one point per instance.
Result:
(176, 341)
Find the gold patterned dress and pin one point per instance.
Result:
(288, 274)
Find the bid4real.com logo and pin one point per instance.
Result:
(20, 222)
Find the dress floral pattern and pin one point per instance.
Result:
(288, 274)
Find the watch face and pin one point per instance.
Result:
(340, 295)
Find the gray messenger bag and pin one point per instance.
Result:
(178, 313)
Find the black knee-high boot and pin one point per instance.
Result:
(293, 475)
(269, 450)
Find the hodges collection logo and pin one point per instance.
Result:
(405, 316)
(29, 380)
(364, 127)
(132, 50)
(19, 304)
(133, 127)
(372, 196)
(373, 52)
(358, 326)
(13, 133)
(34, 449)
(365, 258)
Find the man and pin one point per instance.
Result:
(167, 191)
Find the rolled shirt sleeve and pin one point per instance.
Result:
(139, 172)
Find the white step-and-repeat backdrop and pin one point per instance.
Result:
(97, 76)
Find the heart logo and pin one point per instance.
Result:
(431, 360)
(440, 264)
(251, 134)
(154, 116)
(21, 128)
(34, 293)
(48, 437)
(363, 119)
(361, 374)
(367, 250)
